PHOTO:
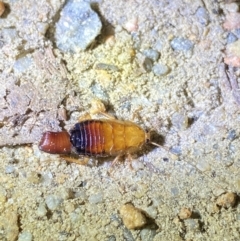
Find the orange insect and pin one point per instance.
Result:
(98, 138)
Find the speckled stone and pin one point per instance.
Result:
(202, 16)
(181, 44)
(25, 236)
(96, 198)
(77, 27)
(53, 202)
(151, 54)
(160, 69)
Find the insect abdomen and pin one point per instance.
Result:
(86, 137)
(106, 137)
(55, 142)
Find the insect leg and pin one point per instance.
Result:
(115, 161)
(129, 159)
(82, 161)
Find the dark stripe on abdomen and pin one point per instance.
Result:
(86, 137)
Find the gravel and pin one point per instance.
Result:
(181, 44)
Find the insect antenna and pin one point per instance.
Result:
(161, 146)
(148, 140)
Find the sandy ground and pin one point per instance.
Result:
(191, 109)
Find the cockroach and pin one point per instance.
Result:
(97, 138)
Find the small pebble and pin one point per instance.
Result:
(25, 236)
(237, 32)
(127, 235)
(231, 38)
(144, 62)
(159, 45)
(192, 224)
(232, 21)
(232, 7)
(22, 64)
(160, 69)
(185, 213)
(232, 60)
(231, 135)
(74, 216)
(180, 121)
(151, 54)
(111, 238)
(227, 200)
(202, 16)
(152, 211)
(147, 234)
(53, 202)
(181, 44)
(2, 8)
(175, 191)
(34, 177)
(42, 28)
(203, 166)
(147, 64)
(96, 198)
(131, 25)
(9, 169)
(233, 54)
(9, 34)
(176, 150)
(69, 207)
(65, 193)
(132, 217)
(233, 48)
(41, 210)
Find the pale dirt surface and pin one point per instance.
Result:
(85, 200)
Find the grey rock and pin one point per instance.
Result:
(232, 135)
(202, 16)
(151, 54)
(192, 224)
(22, 64)
(8, 34)
(96, 198)
(179, 121)
(53, 202)
(147, 234)
(147, 64)
(181, 44)
(77, 27)
(159, 45)
(9, 169)
(160, 69)
(237, 32)
(25, 236)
